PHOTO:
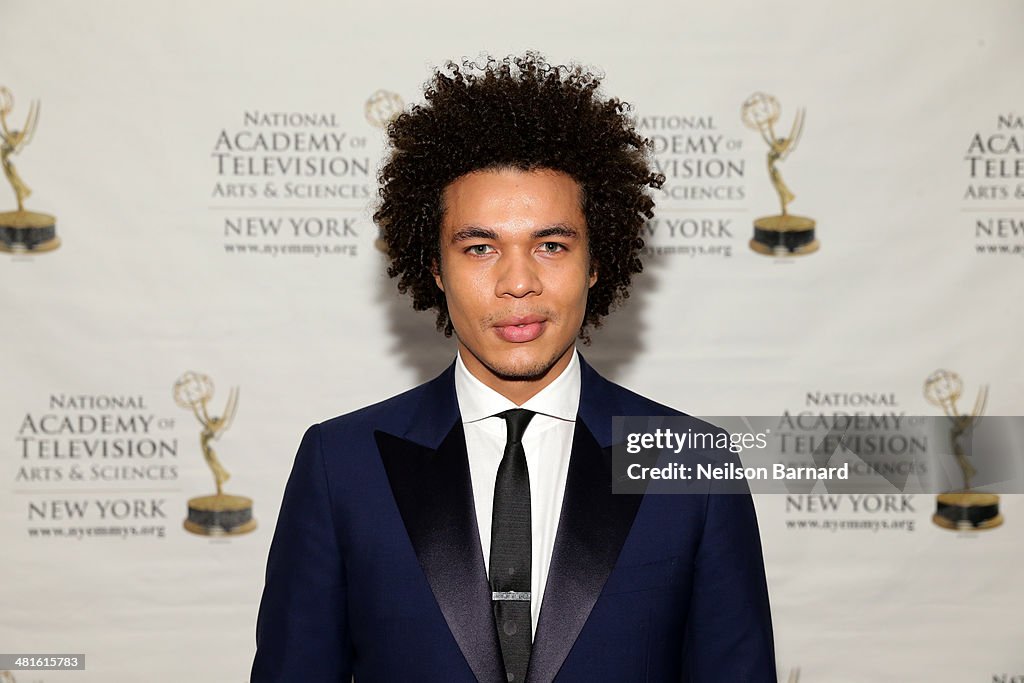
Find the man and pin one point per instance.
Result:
(466, 529)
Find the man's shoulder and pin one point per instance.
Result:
(620, 399)
(637, 404)
(391, 414)
(602, 400)
(633, 404)
(380, 414)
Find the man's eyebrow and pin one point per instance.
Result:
(476, 233)
(559, 230)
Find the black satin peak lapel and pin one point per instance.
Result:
(591, 530)
(435, 498)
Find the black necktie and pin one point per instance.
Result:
(510, 549)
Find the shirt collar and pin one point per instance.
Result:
(560, 399)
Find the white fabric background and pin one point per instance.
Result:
(134, 96)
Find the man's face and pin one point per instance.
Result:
(515, 270)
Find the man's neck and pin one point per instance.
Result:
(519, 391)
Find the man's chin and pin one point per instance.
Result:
(525, 373)
(524, 369)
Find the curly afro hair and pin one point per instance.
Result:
(522, 113)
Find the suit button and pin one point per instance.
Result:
(511, 676)
(510, 629)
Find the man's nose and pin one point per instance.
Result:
(518, 275)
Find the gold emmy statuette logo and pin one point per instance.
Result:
(220, 513)
(21, 230)
(785, 234)
(381, 107)
(961, 510)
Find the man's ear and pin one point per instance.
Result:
(593, 274)
(435, 270)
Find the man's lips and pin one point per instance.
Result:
(518, 329)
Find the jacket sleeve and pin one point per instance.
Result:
(729, 629)
(302, 630)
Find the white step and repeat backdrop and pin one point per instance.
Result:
(200, 232)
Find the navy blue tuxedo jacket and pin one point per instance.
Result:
(376, 568)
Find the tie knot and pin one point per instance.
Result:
(516, 421)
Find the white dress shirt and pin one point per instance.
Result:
(547, 442)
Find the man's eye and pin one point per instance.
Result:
(553, 247)
(478, 249)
